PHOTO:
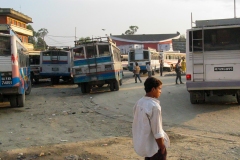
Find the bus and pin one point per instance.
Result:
(56, 63)
(170, 59)
(97, 61)
(142, 57)
(213, 59)
(14, 69)
(34, 60)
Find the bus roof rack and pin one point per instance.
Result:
(65, 48)
(217, 22)
(93, 40)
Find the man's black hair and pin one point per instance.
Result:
(150, 83)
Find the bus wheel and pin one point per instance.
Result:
(238, 97)
(111, 86)
(116, 85)
(21, 100)
(192, 100)
(13, 101)
(88, 88)
(83, 89)
(28, 91)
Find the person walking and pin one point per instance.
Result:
(178, 72)
(149, 69)
(161, 67)
(137, 73)
(134, 65)
(149, 139)
(183, 65)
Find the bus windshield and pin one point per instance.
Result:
(5, 46)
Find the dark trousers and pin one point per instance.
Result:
(158, 156)
(161, 70)
(137, 76)
(178, 77)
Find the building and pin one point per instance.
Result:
(18, 22)
(160, 42)
(179, 45)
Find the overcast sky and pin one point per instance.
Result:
(89, 17)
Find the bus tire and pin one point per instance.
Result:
(21, 100)
(192, 100)
(111, 86)
(28, 91)
(238, 97)
(83, 89)
(13, 101)
(116, 85)
(88, 88)
(36, 80)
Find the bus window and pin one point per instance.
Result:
(79, 53)
(103, 50)
(131, 56)
(145, 55)
(91, 51)
(5, 46)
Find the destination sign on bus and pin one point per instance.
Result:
(6, 80)
(223, 68)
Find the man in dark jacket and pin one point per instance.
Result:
(178, 72)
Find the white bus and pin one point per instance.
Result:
(213, 59)
(142, 57)
(15, 80)
(56, 63)
(170, 59)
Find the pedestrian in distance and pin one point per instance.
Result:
(178, 72)
(137, 73)
(134, 65)
(183, 65)
(149, 69)
(161, 67)
(149, 139)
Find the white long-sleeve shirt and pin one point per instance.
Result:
(147, 127)
(148, 67)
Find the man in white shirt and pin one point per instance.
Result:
(149, 139)
(149, 70)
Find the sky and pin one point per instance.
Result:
(67, 19)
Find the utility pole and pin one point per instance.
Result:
(234, 9)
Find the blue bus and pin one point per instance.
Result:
(97, 62)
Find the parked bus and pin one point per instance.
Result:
(213, 59)
(56, 63)
(14, 69)
(170, 59)
(97, 62)
(34, 57)
(142, 57)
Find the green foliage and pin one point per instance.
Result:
(131, 30)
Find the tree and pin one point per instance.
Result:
(131, 30)
(42, 33)
(31, 39)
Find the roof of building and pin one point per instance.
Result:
(15, 14)
(145, 37)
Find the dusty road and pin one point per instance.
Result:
(59, 122)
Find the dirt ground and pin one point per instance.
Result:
(59, 123)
